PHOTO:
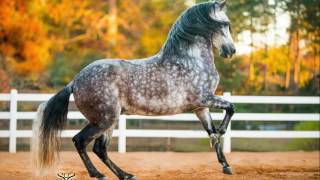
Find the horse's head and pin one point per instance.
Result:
(207, 20)
(222, 39)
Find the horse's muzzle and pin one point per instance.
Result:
(227, 51)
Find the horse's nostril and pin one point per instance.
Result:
(224, 48)
(233, 50)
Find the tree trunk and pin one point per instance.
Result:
(251, 63)
(5, 74)
(316, 69)
(297, 58)
(288, 76)
(294, 44)
(112, 25)
(266, 47)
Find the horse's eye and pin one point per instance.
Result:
(224, 24)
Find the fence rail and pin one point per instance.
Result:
(122, 133)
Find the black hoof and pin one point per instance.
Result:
(101, 178)
(227, 170)
(98, 176)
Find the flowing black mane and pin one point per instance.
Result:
(195, 21)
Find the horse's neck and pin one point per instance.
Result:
(199, 54)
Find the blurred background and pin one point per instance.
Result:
(45, 43)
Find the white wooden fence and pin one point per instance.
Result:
(13, 115)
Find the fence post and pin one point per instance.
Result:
(227, 135)
(13, 121)
(122, 134)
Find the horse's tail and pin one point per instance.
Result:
(50, 120)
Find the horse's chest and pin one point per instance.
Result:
(213, 80)
(203, 81)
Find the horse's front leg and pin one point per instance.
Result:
(206, 121)
(204, 116)
(213, 101)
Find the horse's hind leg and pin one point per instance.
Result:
(100, 149)
(81, 140)
(206, 121)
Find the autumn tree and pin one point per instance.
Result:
(140, 30)
(43, 44)
(303, 27)
(24, 46)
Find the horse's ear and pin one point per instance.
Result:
(222, 4)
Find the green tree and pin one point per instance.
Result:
(306, 144)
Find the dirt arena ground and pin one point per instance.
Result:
(176, 166)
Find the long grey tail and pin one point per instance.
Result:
(51, 117)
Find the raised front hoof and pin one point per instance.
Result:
(129, 177)
(227, 170)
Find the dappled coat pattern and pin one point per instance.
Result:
(181, 77)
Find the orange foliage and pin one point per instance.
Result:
(38, 33)
(275, 63)
(23, 39)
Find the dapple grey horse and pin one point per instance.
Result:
(181, 77)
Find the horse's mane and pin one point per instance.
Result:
(195, 21)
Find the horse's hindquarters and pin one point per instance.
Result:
(96, 93)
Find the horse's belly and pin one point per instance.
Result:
(157, 106)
